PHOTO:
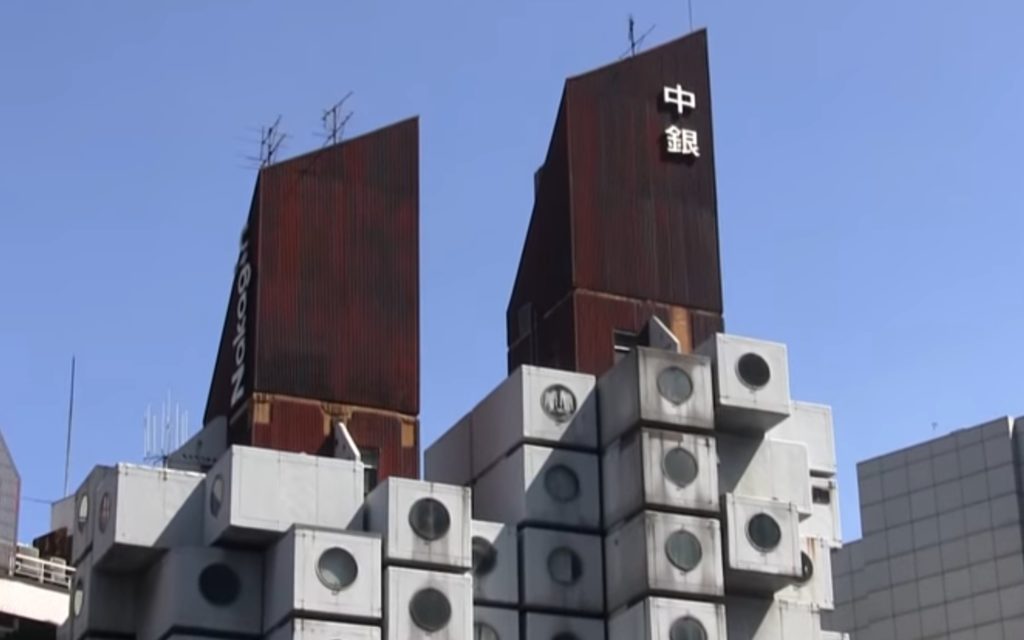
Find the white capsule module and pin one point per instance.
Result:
(824, 521)
(560, 571)
(324, 574)
(811, 424)
(534, 405)
(86, 507)
(495, 563)
(762, 544)
(539, 626)
(491, 623)
(759, 619)
(768, 469)
(814, 588)
(751, 382)
(449, 460)
(143, 511)
(670, 619)
(101, 603)
(423, 524)
(206, 589)
(304, 629)
(663, 554)
(658, 388)
(254, 495)
(427, 605)
(541, 485)
(657, 469)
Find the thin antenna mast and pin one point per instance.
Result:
(634, 42)
(71, 413)
(270, 141)
(689, 4)
(335, 129)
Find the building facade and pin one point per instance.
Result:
(10, 498)
(940, 555)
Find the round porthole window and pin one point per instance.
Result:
(336, 569)
(78, 599)
(683, 550)
(764, 532)
(561, 483)
(83, 511)
(558, 402)
(680, 466)
(806, 567)
(564, 566)
(104, 517)
(219, 585)
(753, 370)
(484, 631)
(687, 629)
(430, 610)
(675, 385)
(485, 557)
(429, 519)
(216, 495)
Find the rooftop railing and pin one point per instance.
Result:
(52, 572)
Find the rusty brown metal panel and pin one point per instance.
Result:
(704, 325)
(395, 438)
(644, 223)
(55, 544)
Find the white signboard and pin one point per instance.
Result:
(681, 141)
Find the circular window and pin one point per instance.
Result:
(485, 557)
(680, 466)
(336, 569)
(104, 517)
(219, 585)
(83, 511)
(430, 610)
(78, 599)
(484, 631)
(558, 403)
(429, 519)
(683, 550)
(806, 567)
(561, 483)
(564, 566)
(753, 370)
(687, 629)
(216, 495)
(675, 385)
(764, 532)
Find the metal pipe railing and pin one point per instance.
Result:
(48, 572)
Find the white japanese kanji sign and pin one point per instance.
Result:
(680, 98)
(681, 141)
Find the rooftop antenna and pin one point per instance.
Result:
(689, 5)
(634, 42)
(270, 141)
(71, 413)
(164, 433)
(334, 127)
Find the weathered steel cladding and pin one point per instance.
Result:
(333, 291)
(703, 325)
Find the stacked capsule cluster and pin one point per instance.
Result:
(677, 496)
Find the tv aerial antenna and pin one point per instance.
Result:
(334, 121)
(165, 431)
(270, 142)
(635, 42)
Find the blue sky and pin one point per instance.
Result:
(869, 180)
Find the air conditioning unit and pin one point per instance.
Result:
(254, 495)
(824, 521)
(663, 554)
(811, 424)
(762, 544)
(814, 588)
(539, 626)
(102, 604)
(208, 590)
(671, 619)
(534, 405)
(303, 629)
(495, 563)
(759, 619)
(86, 506)
(450, 459)
(560, 571)
(541, 485)
(143, 511)
(324, 574)
(657, 469)
(427, 605)
(423, 524)
(657, 388)
(751, 382)
(762, 468)
(490, 623)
